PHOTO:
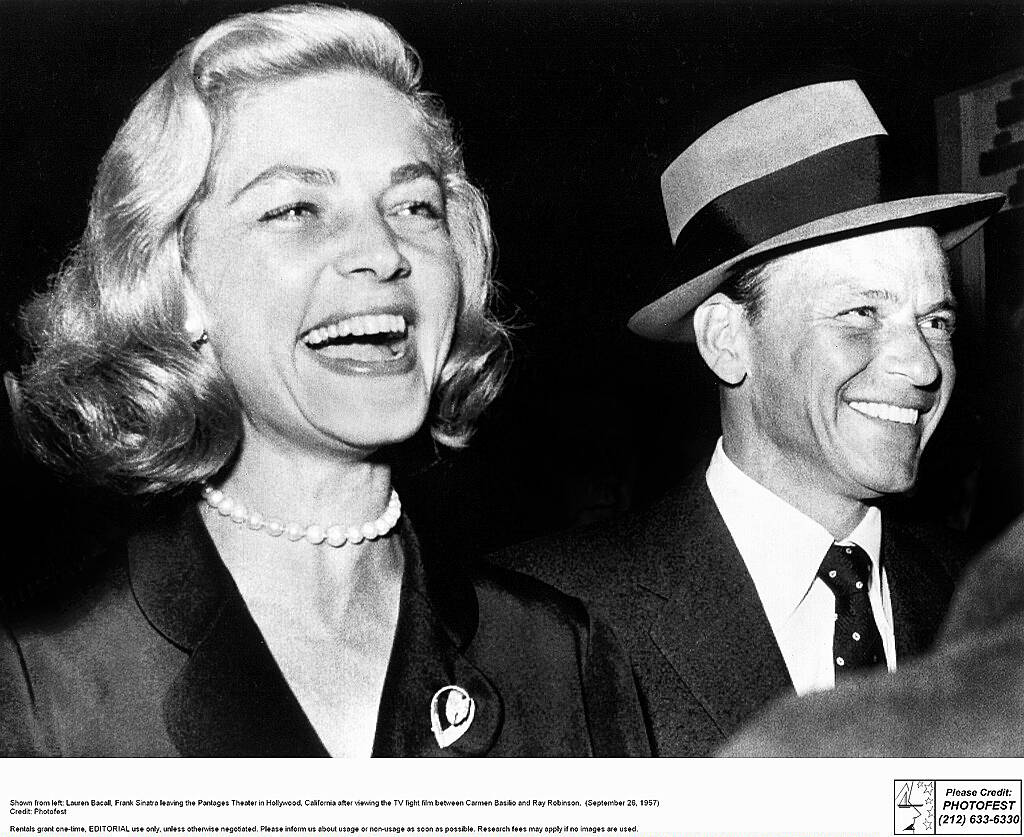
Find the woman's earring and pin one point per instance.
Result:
(194, 329)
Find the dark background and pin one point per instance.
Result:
(569, 113)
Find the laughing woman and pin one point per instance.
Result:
(285, 273)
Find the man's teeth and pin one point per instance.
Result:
(361, 325)
(888, 412)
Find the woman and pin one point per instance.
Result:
(285, 272)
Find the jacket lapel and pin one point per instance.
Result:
(230, 698)
(712, 628)
(436, 624)
(919, 589)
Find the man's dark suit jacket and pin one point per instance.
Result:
(963, 699)
(158, 656)
(676, 591)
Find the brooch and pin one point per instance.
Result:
(451, 712)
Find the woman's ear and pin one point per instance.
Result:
(13, 389)
(720, 326)
(195, 316)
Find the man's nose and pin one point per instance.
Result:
(367, 246)
(909, 354)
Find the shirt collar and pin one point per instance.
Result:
(780, 545)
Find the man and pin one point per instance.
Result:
(961, 700)
(825, 311)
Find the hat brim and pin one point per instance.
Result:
(955, 217)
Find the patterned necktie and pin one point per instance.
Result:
(856, 642)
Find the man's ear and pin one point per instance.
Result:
(720, 326)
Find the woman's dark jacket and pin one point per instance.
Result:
(157, 655)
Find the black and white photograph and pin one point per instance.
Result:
(406, 378)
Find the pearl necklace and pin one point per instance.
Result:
(333, 534)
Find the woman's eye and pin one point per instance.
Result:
(291, 213)
(422, 209)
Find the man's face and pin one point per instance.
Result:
(849, 364)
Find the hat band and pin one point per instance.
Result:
(836, 180)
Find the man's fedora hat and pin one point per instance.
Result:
(792, 171)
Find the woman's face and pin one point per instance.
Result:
(322, 258)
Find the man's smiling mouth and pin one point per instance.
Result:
(886, 412)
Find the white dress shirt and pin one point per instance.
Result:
(783, 549)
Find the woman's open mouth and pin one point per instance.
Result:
(364, 343)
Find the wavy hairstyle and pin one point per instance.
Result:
(116, 393)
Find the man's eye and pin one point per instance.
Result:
(860, 314)
(940, 323)
(292, 213)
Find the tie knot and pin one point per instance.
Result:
(846, 570)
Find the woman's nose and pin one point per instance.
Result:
(368, 246)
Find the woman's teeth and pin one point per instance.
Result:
(377, 326)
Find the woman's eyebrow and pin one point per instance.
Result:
(288, 171)
(414, 171)
(325, 177)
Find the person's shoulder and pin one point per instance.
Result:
(594, 561)
(577, 558)
(65, 612)
(86, 606)
(526, 631)
(79, 561)
(548, 624)
(921, 710)
(992, 589)
(508, 594)
(533, 640)
(935, 547)
(59, 644)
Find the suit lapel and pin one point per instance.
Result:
(230, 698)
(919, 591)
(712, 629)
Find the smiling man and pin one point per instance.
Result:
(824, 309)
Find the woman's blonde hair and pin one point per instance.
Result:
(116, 392)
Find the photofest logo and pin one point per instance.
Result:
(914, 807)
